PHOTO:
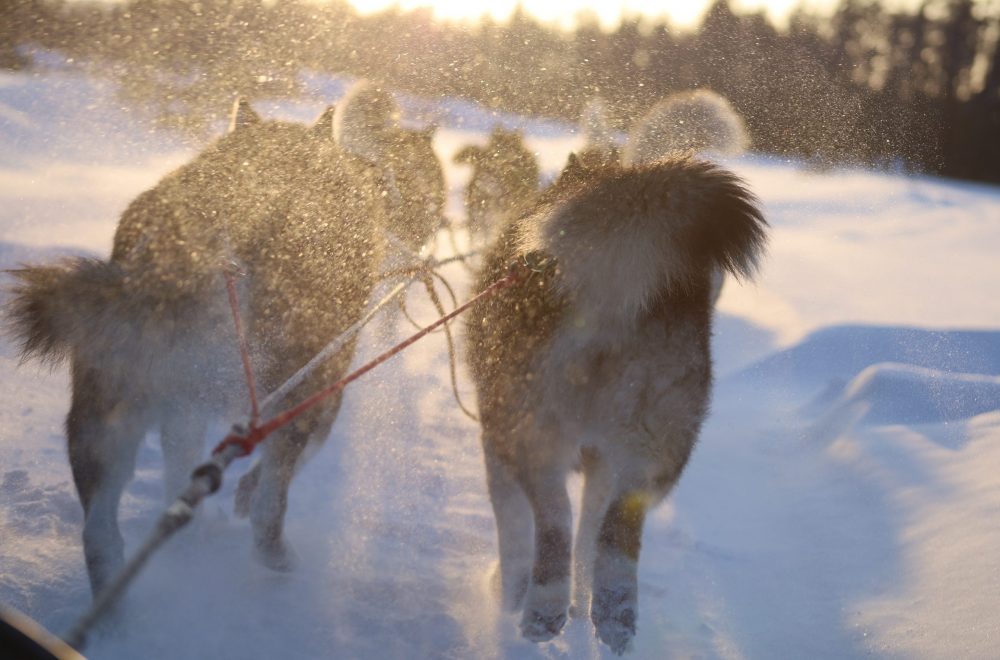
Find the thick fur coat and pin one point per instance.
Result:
(600, 359)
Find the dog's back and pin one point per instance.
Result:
(602, 356)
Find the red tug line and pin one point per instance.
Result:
(257, 433)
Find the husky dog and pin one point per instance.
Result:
(504, 179)
(367, 124)
(149, 333)
(701, 121)
(599, 360)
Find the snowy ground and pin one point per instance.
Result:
(843, 501)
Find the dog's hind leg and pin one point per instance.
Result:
(103, 432)
(614, 605)
(182, 435)
(547, 600)
(597, 485)
(514, 532)
(269, 500)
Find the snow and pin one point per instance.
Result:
(842, 501)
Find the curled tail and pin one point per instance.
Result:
(629, 235)
(56, 309)
(701, 121)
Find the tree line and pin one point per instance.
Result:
(914, 90)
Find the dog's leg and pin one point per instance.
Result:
(548, 594)
(597, 486)
(269, 501)
(614, 608)
(614, 605)
(182, 436)
(513, 518)
(103, 433)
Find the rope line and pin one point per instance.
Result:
(414, 272)
(255, 435)
(234, 304)
(206, 479)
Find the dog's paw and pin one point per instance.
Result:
(613, 612)
(276, 555)
(540, 627)
(545, 611)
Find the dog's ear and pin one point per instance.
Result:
(467, 155)
(324, 125)
(242, 115)
(575, 170)
(428, 131)
(574, 166)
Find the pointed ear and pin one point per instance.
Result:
(324, 125)
(429, 131)
(574, 168)
(242, 115)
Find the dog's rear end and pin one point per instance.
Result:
(135, 359)
(600, 359)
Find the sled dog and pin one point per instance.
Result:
(367, 123)
(504, 179)
(149, 333)
(599, 361)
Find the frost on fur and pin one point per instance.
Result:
(701, 121)
(632, 233)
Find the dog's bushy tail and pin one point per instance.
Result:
(701, 121)
(54, 309)
(632, 234)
